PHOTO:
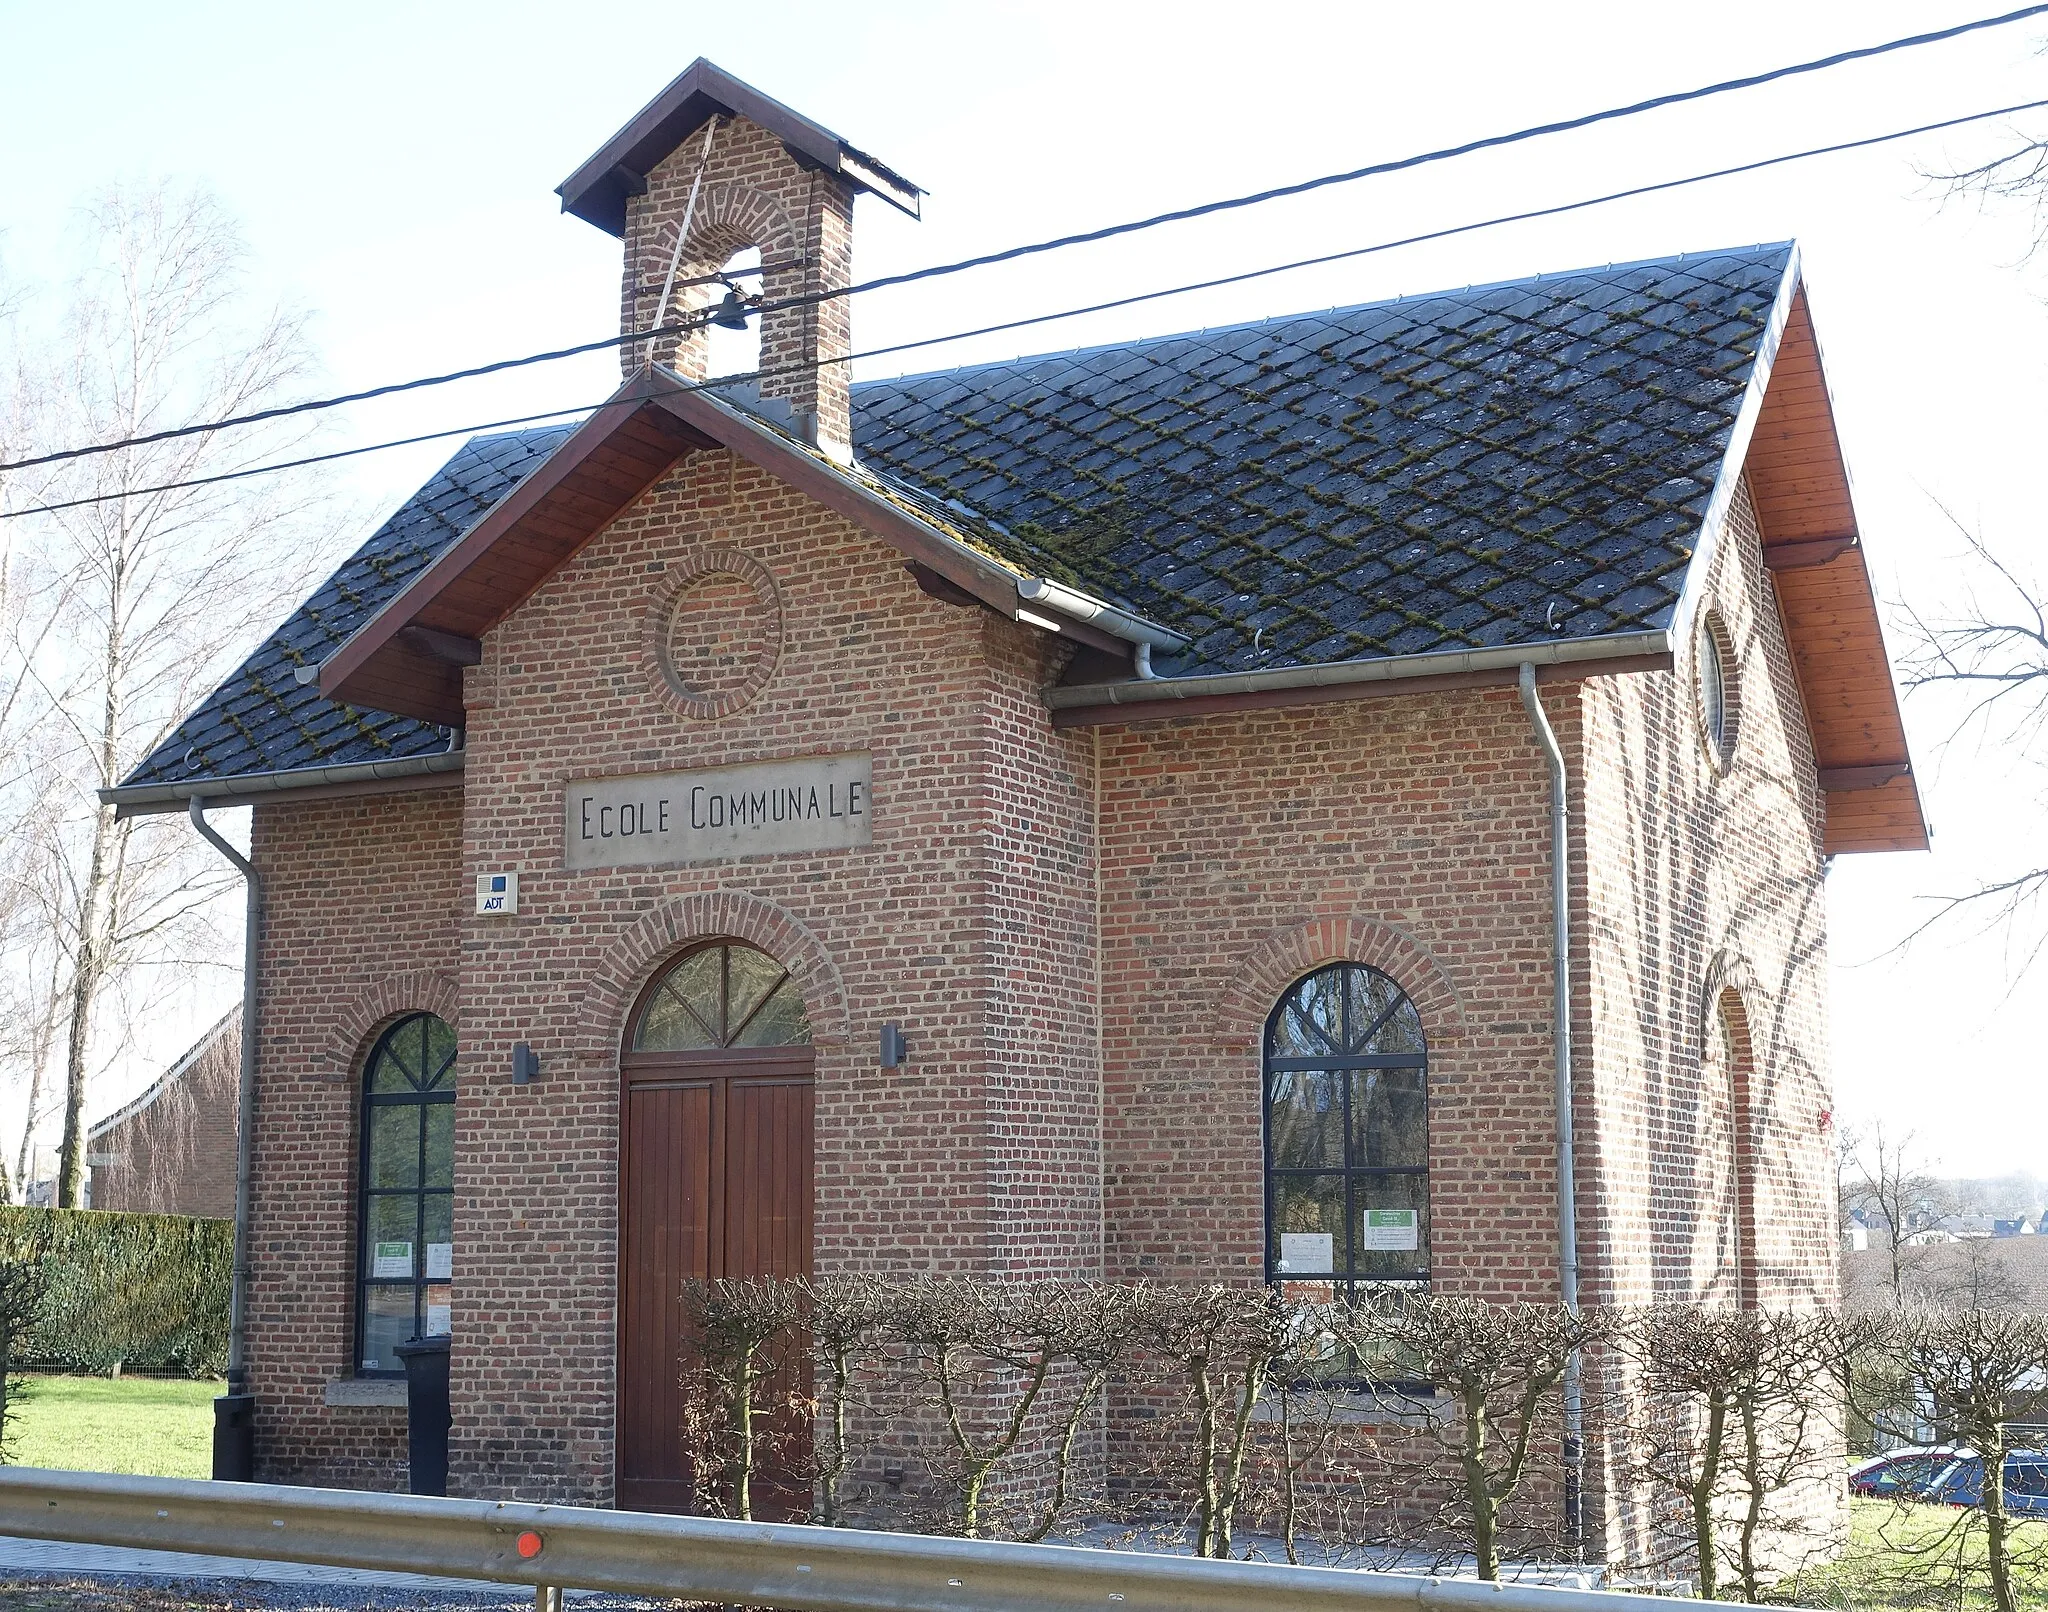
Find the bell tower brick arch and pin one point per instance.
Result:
(748, 190)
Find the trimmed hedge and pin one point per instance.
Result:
(135, 1290)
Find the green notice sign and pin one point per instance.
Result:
(1389, 1231)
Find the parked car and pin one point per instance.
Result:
(2026, 1482)
(1911, 1473)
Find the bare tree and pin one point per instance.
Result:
(1887, 1174)
(2016, 177)
(1983, 1369)
(1501, 1366)
(130, 604)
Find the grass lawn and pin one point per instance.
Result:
(1903, 1557)
(159, 1426)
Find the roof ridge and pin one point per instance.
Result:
(1140, 343)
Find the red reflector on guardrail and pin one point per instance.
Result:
(529, 1544)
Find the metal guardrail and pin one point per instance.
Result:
(805, 1569)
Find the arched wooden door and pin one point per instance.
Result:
(715, 1180)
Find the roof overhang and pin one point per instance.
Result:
(597, 191)
(408, 658)
(1791, 455)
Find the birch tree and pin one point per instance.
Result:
(132, 605)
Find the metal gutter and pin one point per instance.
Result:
(1379, 669)
(1119, 623)
(234, 1411)
(254, 785)
(1574, 1450)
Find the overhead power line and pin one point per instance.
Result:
(726, 381)
(1399, 164)
(1061, 242)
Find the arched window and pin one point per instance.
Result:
(1347, 1132)
(722, 995)
(406, 1262)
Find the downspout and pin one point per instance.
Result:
(1561, 1055)
(234, 1411)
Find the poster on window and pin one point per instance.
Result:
(440, 1261)
(1307, 1253)
(438, 1320)
(1389, 1231)
(391, 1259)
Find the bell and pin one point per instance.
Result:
(732, 313)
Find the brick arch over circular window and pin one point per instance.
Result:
(1262, 977)
(364, 1015)
(729, 914)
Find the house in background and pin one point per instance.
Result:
(172, 1150)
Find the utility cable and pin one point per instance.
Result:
(726, 381)
(1057, 243)
(1399, 164)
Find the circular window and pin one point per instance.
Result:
(1714, 671)
(715, 632)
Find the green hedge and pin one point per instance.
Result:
(132, 1290)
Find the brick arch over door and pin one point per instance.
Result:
(362, 1015)
(1262, 977)
(652, 939)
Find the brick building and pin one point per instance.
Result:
(171, 1150)
(1003, 820)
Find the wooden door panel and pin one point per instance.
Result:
(767, 1179)
(767, 1232)
(666, 1236)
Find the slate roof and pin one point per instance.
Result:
(262, 719)
(1505, 464)
(1499, 465)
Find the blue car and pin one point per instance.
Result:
(1914, 1473)
(2026, 1483)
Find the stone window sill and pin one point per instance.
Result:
(361, 1392)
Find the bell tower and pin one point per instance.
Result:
(709, 168)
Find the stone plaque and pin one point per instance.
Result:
(813, 803)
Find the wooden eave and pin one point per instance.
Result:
(1813, 550)
(400, 660)
(408, 657)
(597, 191)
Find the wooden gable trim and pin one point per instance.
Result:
(408, 657)
(967, 569)
(1799, 485)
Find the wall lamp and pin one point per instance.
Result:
(895, 1050)
(525, 1063)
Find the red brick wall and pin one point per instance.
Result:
(968, 921)
(360, 927)
(1696, 876)
(1706, 1159)
(1411, 833)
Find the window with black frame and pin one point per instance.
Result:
(406, 1261)
(1347, 1134)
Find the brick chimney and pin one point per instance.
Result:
(745, 171)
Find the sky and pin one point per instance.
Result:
(393, 167)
